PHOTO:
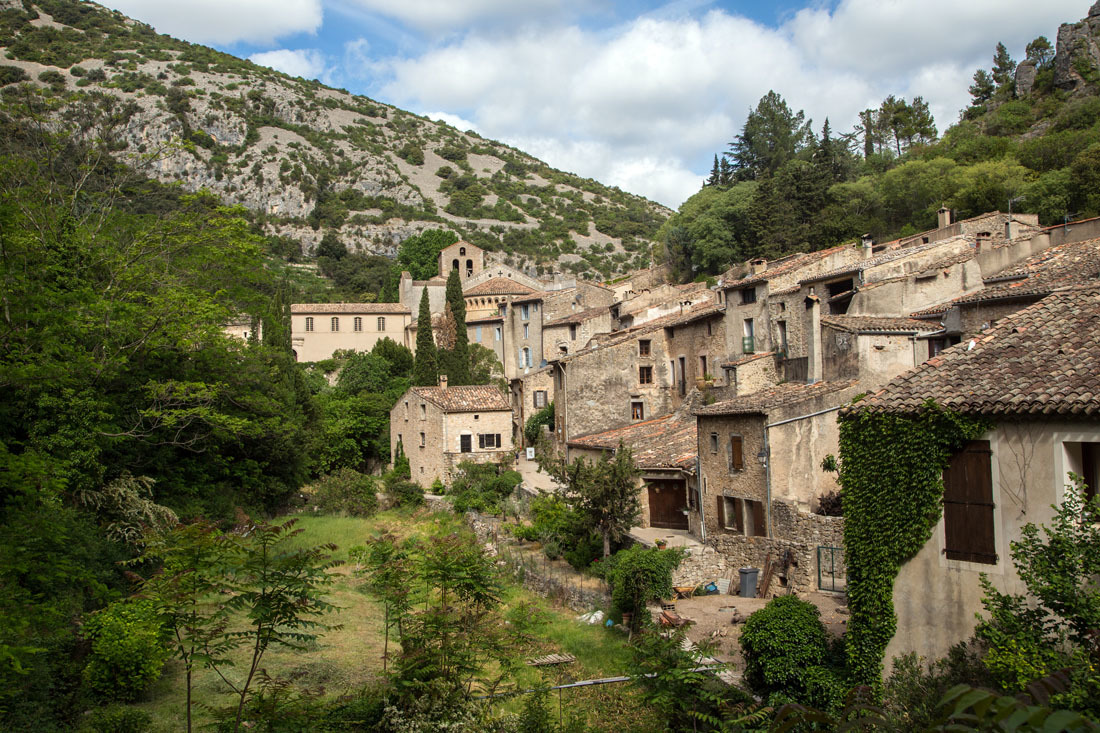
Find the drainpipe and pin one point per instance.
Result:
(768, 459)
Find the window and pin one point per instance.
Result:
(381, 324)
(645, 375)
(1083, 459)
(748, 343)
(406, 409)
(683, 376)
(644, 347)
(525, 357)
(465, 444)
(714, 442)
(488, 440)
(736, 457)
(744, 516)
(357, 324)
(748, 295)
(335, 324)
(525, 312)
(968, 505)
(781, 326)
(782, 307)
(540, 398)
(454, 264)
(469, 268)
(637, 411)
(702, 367)
(423, 411)
(526, 331)
(497, 334)
(573, 332)
(477, 334)
(462, 251)
(422, 443)
(502, 309)
(309, 323)
(710, 330)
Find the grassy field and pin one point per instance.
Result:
(349, 657)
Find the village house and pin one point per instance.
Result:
(320, 329)
(573, 332)
(439, 427)
(1036, 375)
(530, 393)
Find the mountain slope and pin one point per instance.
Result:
(309, 159)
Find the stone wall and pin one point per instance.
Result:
(724, 554)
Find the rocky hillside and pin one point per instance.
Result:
(308, 159)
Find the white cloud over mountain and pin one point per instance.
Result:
(226, 21)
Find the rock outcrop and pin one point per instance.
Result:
(1077, 61)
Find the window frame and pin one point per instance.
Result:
(637, 410)
(309, 324)
(645, 347)
(645, 374)
(334, 324)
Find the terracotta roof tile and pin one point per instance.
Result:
(747, 359)
(499, 286)
(880, 259)
(758, 403)
(465, 398)
(668, 441)
(877, 324)
(578, 317)
(779, 267)
(348, 308)
(1042, 360)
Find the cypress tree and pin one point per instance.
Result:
(425, 363)
(458, 363)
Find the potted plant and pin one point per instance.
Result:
(661, 544)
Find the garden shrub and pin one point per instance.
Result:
(117, 719)
(639, 575)
(402, 492)
(128, 649)
(532, 429)
(482, 487)
(786, 651)
(344, 492)
(912, 693)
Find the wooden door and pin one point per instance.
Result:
(667, 501)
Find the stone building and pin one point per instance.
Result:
(696, 346)
(440, 427)
(531, 392)
(1036, 375)
(319, 329)
(571, 333)
(580, 296)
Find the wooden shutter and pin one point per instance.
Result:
(968, 505)
(721, 512)
(737, 461)
(738, 515)
(759, 524)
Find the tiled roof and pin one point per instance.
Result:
(747, 359)
(499, 286)
(668, 441)
(528, 299)
(348, 308)
(956, 259)
(1074, 263)
(485, 319)
(1042, 360)
(618, 337)
(465, 398)
(695, 313)
(578, 317)
(780, 267)
(880, 259)
(877, 324)
(758, 403)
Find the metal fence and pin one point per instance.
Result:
(832, 570)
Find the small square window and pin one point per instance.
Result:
(637, 411)
(644, 347)
(422, 443)
(748, 295)
(714, 442)
(645, 375)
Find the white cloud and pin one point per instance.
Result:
(308, 63)
(222, 21)
(646, 104)
(453, 120)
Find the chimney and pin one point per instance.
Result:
(443, 381)
(757, 266)
(944, 217)
(982, 239)
(813, 339)
(867, 245)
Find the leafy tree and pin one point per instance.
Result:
(604, 492)
(641, 575)
(1030, 640)
(388, 569)
(772, 135)
(485, 367)
(419, 254)
(425, 364)
(1040, 52)
(331, 246)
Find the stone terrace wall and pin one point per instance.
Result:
(802, 534)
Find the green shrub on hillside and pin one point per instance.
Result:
(344, 492)
(128, 649)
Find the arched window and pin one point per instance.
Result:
(462, 251)
(335, 323)
(309, 323)
(381, 324)
(454, 264)
(469, 267)
(525, 357)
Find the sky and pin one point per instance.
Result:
(639, 95)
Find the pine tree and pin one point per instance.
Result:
(725, 172)
(425, 363)
(1004, 68)
(458, 366)
(1040, 52)
(983, 87)
(715, 174)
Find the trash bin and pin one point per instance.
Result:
(748, 582)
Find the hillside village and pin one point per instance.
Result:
(729, 396)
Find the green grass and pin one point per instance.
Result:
(349, 657)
